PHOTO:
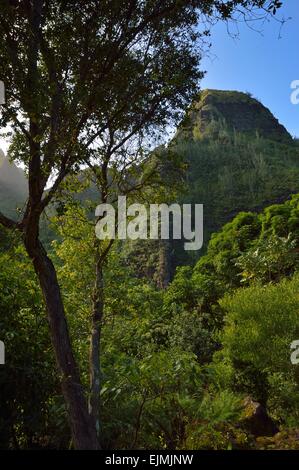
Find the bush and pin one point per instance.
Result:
(260, 325)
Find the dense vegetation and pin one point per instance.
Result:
(107, 344)
(238, 158)
(182, 367)
(178, 363)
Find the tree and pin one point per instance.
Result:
(73, 72)
(260, 325)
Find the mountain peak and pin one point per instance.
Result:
(235, 111)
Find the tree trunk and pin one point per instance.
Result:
(94, 358)
(82, 427)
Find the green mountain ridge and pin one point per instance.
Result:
(239, 157)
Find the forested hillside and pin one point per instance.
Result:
(237, 157)
(187, 366)
(114, 336)
(184, 367)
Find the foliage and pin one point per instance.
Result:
(230, 172)
(32, 412)
(97, 83)
(260, 325)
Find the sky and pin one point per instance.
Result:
(262, 63)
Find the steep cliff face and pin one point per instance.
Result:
(239, 158)
(235, 111)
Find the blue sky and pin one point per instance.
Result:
(262, 64)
